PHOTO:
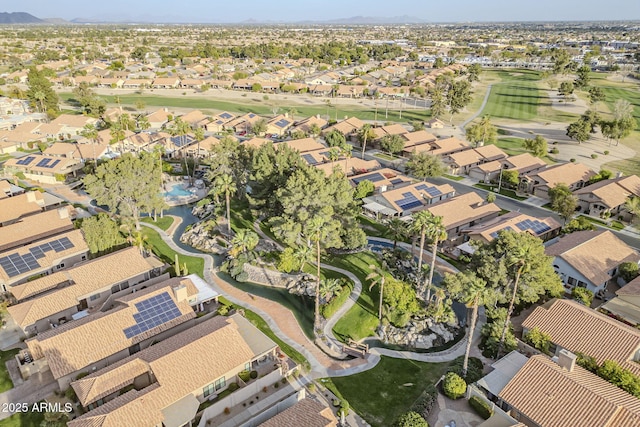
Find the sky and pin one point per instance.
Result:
(218, 11)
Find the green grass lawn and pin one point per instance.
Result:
(259, 323)
(164, 252)
(5, 380)
(382, 394)
(362, 319)
(503, 191)
(453, 177)
(516, 97)
(373, 228)
(23, 419)
(615, 225)
(254, 103)
(162, 223)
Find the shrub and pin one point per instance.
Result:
(276, 385)
(312, 388)
(233, 387)
(583, 295)
(426, 402)
(335, 402)
(572, 160)
(344, 408)
(244, 375)
(454, 386)
(253, 375)
(411, 419)
(474, 370)
(606, 152)
(71, 394)
(594, 156)
(555, 151)
(538, 340)
(481, 407)
(628, 271)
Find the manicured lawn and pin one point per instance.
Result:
(503, 191)
(362, 319)
(517, 97)
(384, 156)
(5, 380)
(23, 419)
(162, 223)
(254, 103)
(385, 392)
(259, 323)
(616, 225)
(453, 177)
(164, 252)
(631, 95)
(373, 228)
(511, 145)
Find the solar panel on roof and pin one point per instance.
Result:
(310, 159)
(396, 181)
(53, 165)
(26, 160)
(15, 263)
(226, 115)
(433, 192)
(153, 312)
(544, 229)
(522, 225)
(374, 177)
(422, 187)
(282, 123)
(43, 162)
(494, 234)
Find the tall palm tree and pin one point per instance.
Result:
(520, 259)
(365, 134)
(376, 277)
(632, 205)
(243, 242)
(117, 134)
(419, 225)
(473, 292)
(397, 229)
(334, 154)
(346, 151)
(315, 231)
(437, 233)
(224, 184)
(303, 254)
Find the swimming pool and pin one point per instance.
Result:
(177, 190)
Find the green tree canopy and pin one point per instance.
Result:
(411, 419)
(392, 143)
(101, 233)
(563, 201)
(423, 165)
(335, 138)
(40, 92)
(538, 146)
(482, 132)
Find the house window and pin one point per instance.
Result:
(208, 390)
(220, 383)
(247, 366)
(94, 297)
(572, 281)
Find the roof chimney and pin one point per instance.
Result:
(31, 196)
(566, 360)
(180, 293)
(63, 212)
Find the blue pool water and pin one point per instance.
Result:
(177, 190)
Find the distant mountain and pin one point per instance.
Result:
(55, 21)
(19, 18)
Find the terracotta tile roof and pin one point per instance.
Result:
(255, 142)
(463, 209)
(464, 158)
(73, 120)
(15, 207)
(352, 124)
(551, 396)
(305, 125)
(76, 345)
(612, 192)
(182, 364)
(439, 147)
(302, 145)
(193, 116)
(491, 152)
(382, 178)
(51, 259)
(88, 278)
(581, 329)
(524, 162)
(567, 173)
(397, 194)
(33, 227)
(418, 137)
(489, 167)
(593, 253)
(307, 413)
(158, 116)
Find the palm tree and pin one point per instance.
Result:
(473, 292)
(314, 130)
(315, 231)
(397, 229)
(117, 134)
(243, 242)
(303, 254)
(632, 205)
(419, 225)
(143, 122)
(520, 260)
(40, 96)
(329, 288)
(377, 278)
(224, 184)
(334, 154)
(365, 134)
(437, 232)
(137, 238)
(346, 151)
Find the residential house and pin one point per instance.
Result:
(320, 89)
(547, 393)
(242, 124)
(279, 125)
(463, 211)
(574, 175)
(394, 129)
(383, 179)
(503, 371)
(31, 228)
(487, 231)
(461, 162)
(203, 148)
(44, 169)
(305, 125)
(72, 124)
(191, 83)
(7, 189)
(54, 299)
(626, 305)
(439, 147)
(218, 121)
(348, 166)
(158, 118)
(168, 381)
(81, 152)
(348, 127)
(103, 338)
(303, 145)
(608, 196)
(417, 138)
(13, 209)
(195, 118)
(435, 124)
(406, 200)
(42, 257)
(580, 329)
(135, 83)
(306, 412)
(524, 164)
(256, 142)
(165, 83)
(589, 259)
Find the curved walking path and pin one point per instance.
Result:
(477, 113)
(284, 324)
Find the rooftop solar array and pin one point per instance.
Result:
(408, 201)
(537, 227)
(431, 191)
(182, 141)
(226, 115)
(397, 181)
(310, 159)
(282, 123)
(153, 312)
(26, 160)
(373, 177)
(16, 264)
(47, 163)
